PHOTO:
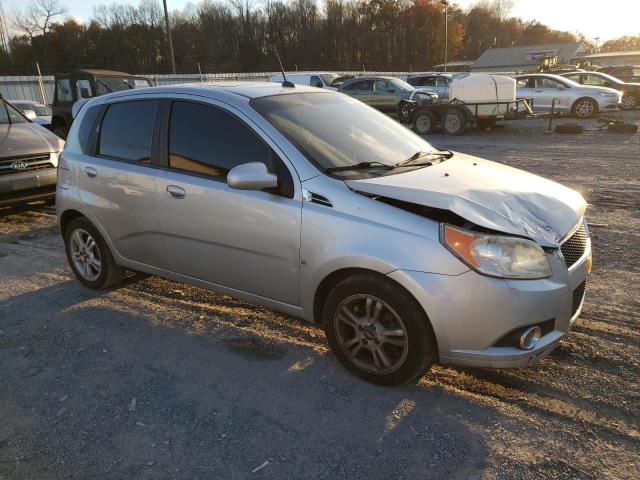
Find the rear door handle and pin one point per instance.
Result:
(176, 192)
(91, 172)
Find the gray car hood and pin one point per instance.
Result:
(488, 194)
(27, 139)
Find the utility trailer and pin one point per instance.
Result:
(455, 116)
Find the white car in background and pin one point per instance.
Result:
(42, 112)
(582, 100)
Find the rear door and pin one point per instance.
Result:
(240, 239)
(117, 181)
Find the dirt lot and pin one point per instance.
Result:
(163, 380)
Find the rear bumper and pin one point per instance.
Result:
(27, 186)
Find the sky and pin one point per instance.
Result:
(593, 18)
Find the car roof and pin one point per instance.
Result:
(249, 90)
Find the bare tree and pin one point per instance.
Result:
(37, 16)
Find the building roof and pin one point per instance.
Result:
(632, 53)
(522, 56)
(457, 63)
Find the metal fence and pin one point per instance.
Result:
(28, 87)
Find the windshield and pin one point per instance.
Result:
(402, 85)
(328, 78)
(338, 131)
(9, 114)
(106, 85)
(39, 109)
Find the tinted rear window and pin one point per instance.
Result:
(127, 130)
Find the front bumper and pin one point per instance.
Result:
(470, 313)
(27, 186)
(609, 104)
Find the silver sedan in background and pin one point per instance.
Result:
(581, 100)
(317, 205)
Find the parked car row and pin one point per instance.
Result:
(581, 93)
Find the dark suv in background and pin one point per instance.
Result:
(82, 84)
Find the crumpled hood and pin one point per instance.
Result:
(488, 194)
(27, 139)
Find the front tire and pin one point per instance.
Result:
(378, 331)
(585, 108)
(89, 256)
(629, 102)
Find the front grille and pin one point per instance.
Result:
(574, 247)
(578, 296)
(32, 162)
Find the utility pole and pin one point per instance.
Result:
(446, 30)
(166, 21)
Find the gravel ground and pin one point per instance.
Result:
(158, 379)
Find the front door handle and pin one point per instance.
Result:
(176, 192)
(91, 172)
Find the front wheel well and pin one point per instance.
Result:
(67, 217)
(330, 281)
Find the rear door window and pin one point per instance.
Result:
(127, 130)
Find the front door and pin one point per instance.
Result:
(384, 96)
(117, 182)
(244, 240)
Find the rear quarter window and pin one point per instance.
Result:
(87, 129)
(127, 130)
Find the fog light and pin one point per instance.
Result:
(530, 338)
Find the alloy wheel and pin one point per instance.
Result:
(85, 254)
(628, 102)
(371, 334)
(584, 109)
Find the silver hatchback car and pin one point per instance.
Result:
(314, 204)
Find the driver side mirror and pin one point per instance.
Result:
(251, 176)
(30, 114)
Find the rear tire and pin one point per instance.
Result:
(454, 122)
(378, 331)
(89, 256)
(424, 123)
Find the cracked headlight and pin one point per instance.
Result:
(497, 255)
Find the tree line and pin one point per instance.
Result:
(242, 35)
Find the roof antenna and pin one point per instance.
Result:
(285, 83)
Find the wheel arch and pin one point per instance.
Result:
(67, 217)
(332, 279)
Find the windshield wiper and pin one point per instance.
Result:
(361, 166)
(444, 154)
